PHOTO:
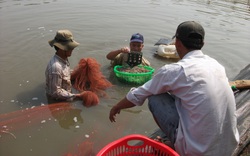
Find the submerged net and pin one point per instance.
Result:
(16, 120)
(88, 77)
(85, 148)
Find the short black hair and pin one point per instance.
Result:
(194, 42)
(191, 34)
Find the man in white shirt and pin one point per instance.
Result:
(191, 100)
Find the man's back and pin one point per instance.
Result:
(206, 106)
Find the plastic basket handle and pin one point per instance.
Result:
(138, 137)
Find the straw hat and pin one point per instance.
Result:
(64, 40)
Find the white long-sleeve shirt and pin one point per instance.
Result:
(58, 84)
(204, 101)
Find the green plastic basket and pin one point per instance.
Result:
(134, 78)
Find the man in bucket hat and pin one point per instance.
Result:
(191, 100)
(58, 83)
(120, 56)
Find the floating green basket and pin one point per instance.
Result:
(134, 78)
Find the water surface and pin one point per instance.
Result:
(99, 26)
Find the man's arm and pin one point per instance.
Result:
(111, 55)
(124, 103)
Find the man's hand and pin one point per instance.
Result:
(125, 50)
(80, 95)
(112, 114)
(124, 103)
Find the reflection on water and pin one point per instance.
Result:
(99, 26)
(67, 116)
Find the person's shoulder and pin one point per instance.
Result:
(119, 59)
(170, 71)
(122, 54)
(145, 61)
(56, 65)
(173, 67)
(213, 61)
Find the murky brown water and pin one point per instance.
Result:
(100, 26)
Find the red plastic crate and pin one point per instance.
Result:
(147, 147)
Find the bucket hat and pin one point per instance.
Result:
(64, 40)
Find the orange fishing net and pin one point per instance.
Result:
(90, 98)
(86, 148)
(12, 121)
(88, 77)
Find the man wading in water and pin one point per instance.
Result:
(58, 76)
